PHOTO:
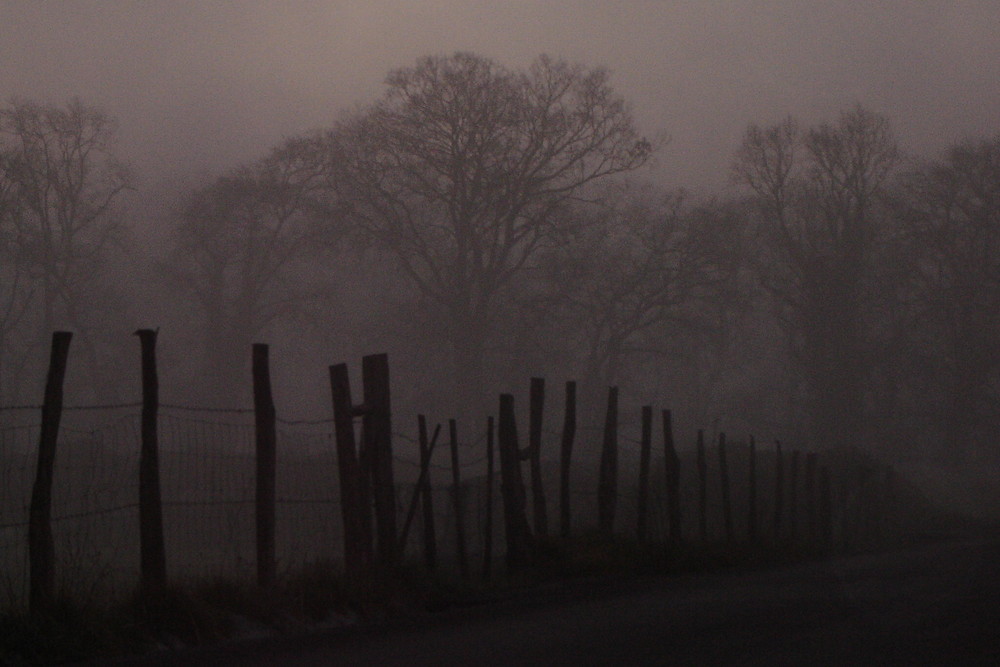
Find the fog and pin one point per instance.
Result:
(201, 89)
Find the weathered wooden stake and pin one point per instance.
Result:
(41, 550)
(702, 488)
(488, 520)
(811, 495)
(752, 499)
(430, 536)
(607, 489)
(378, 440)
(419, 491)
(779, 489)
(536, 411)
(645, 450)
(825, 507)
(456, 490)
(672, 466)
(565, 455)
(793, 496)
(518, 533)
(357, 539)
(266, 439)
(153, 559)
(727, 502)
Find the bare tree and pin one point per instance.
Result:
(459, 172)
(952, 221)
(820, 195)
(61, 184)
(237, 249)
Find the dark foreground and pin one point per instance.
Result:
(935, 605)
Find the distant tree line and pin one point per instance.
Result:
(848, 295)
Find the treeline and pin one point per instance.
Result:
(490, 220)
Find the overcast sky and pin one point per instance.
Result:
(204, 85)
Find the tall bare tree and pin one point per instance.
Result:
(238, 247)
(821, 204)
(459, 172)
(61, 185)
(952, 221)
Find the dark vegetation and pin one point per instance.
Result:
(482, 225)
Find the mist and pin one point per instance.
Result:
(775, 219)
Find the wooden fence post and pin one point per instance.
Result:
(488, 520)
(825, 507)
(779, 489)
(518, 534)
(152, 551)
(565, 454)
(702, 488)
(536, 412)
(752, 499)
(727, 502)
(645, 450)
(41, 550)
(430, 536)
(456, 490)
(266, 439)
(357, 540)
(672, 467)
(811, 495)
(378, 441)
(607, 489)
(793, 496)
(419, 489)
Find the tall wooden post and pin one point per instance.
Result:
(152, 551)
(779, 489)
(41, 550)
(645, 451)
(518, 533)
(488, 520)
(456, 490)
(793, 496)
(565, 455)
(378, 440)
(752, 499)
(727, 502)
(357, 541)
(430, 537)
(607, 489)
(672, 467)
(536, 411)
(702, 463)
(810, 484)
(265, 421)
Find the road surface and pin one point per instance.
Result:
(933, 605)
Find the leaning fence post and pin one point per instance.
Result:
(825, 507)
(702, 488)
(41, 550)
(672, 467)
(565, 454)
(378, 440)
(266, 438)
(645, 448)
(607, 489)
(793, 496)
(488, 520)
(727, 504)
(151, 547)
(456, 489)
